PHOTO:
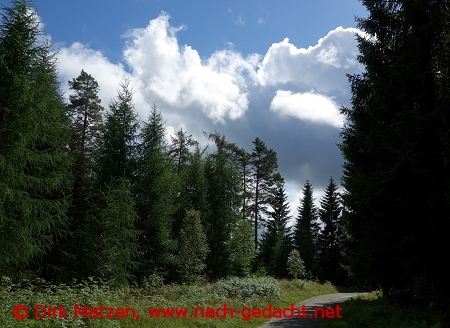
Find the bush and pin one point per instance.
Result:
(247, 288)
(295, 264)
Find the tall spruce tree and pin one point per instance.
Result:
(395, 146)
(264, 162)
(114, 176)
(276, 243)
(156, 197)
(329, 241)
(307, 229)
(34, 164)
(224, 197)
(119, 148)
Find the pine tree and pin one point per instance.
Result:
(307, 229)
(264, 162)
(34, 164)
(395, 147)
(329, 241)
(243, 161)
(193, 248)
(156, 196)
(86, 125)
(276, 242)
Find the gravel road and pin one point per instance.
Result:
(310, 304)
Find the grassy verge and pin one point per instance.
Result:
(374, 311)
(236, 293)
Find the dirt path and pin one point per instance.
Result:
(310, 304)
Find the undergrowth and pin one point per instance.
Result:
(236, 293)
(374, 311)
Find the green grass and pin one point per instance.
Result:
(374, 311)
(237, 293)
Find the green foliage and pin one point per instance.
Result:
(374, 311)
(396, 151)
(264, 162)
(192, 189)
(193, 248)
(246, 289)
(330, 237)
(242, 249)
(34, 165)
(295, 265)
(236, 293)
(38, 291)
(307, 229)
(155, 189)
(117, 252)
(118, 151)
(243, 161)
(85, 112)
(179, 148)
(224, 199)
(276, 242)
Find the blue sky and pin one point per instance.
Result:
(253, 68)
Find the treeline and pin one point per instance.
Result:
(88, 191)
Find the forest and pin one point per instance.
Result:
(89, 189)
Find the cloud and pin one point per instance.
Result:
(239, 21)
(178, 76)
(307, 106)
(321, 67)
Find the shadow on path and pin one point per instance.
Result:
(307, 309)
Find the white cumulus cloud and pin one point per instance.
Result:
(307, 106)
(317, 66)
(178, 75)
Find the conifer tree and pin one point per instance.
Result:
(180, 148)
(115, 175)
(276, 242)
(192, 187)
(243, 161)
(307, 229)
(329, 241)
(224, 199)
(156, 197)
(119, 149)
(86, 124)
(34, 164)
(395, 147)
(295, 265)
(264, 162)
(117, 253)
(193, 248)
(242, 249)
